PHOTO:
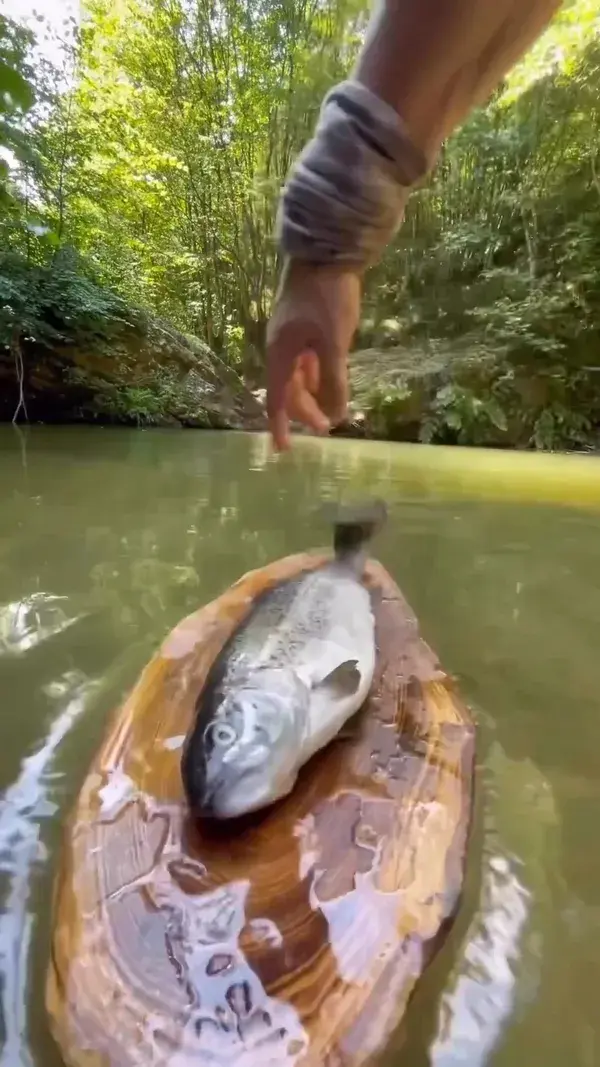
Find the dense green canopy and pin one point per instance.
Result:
(156, 152)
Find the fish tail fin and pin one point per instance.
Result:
(353, 527)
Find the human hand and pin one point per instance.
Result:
(310, 332)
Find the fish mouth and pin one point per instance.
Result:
(250, 794)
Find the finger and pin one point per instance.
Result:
(301, 403)
(332, 394)
(302, 406)
(280, 366)
(289, 394)
(307, 366)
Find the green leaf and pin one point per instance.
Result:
(496, 414)
(14, 88)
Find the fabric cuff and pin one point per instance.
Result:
(345, 196)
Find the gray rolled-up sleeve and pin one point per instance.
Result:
(345, 196)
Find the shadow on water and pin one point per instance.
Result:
(109, 537)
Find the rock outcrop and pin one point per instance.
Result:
(158, 378)
(72, 351)
(406, 394)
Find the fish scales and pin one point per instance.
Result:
(281, 624)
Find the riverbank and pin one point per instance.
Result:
(452, 393)
(73, 351)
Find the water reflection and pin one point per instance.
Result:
(474, 1012)
(497, 974)
(25, 623)
(26, 804)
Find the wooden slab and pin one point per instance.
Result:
(292, 938)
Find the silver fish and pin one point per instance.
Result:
(297, 668)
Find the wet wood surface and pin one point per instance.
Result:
(294, 937)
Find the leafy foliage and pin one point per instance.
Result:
(16, 98)
(459, 414)
(499, 254)
(155, 400)
(56, 304)
(108, 360)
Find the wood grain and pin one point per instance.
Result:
(290, 938)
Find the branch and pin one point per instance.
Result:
(15, 348)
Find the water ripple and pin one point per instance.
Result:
(24, 807)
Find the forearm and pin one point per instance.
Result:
(427, 64)
(435, 60)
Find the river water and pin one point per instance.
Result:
(108, 537)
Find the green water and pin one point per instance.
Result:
(108, 537)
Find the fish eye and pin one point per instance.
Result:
(220, 733)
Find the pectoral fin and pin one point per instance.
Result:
(343, 681)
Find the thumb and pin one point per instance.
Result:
(301, 391)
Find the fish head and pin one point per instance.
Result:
(251, 746)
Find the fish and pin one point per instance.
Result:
(297, 668)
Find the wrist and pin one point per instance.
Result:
(297, 270)
(345, 196)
